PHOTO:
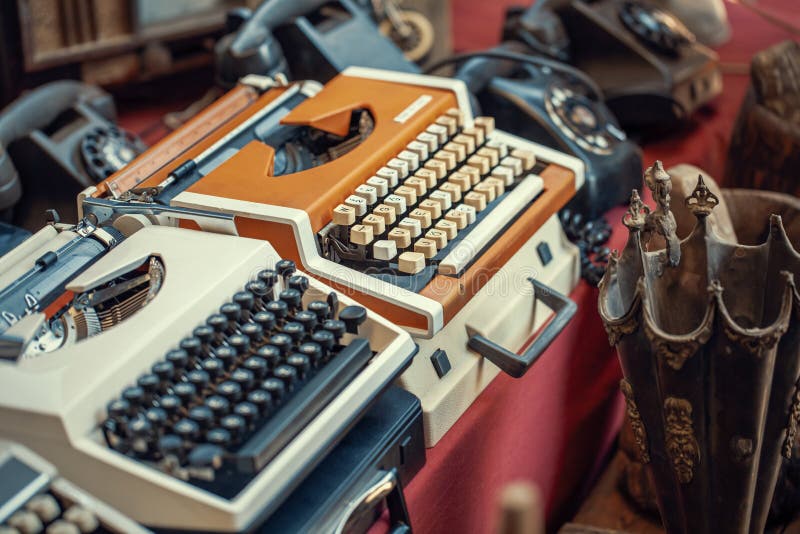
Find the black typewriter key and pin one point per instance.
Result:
(285, 268)
(170, 445)
(205, 334)
(170, 404)
(203, 416)
(219, 405)
(269, 277)
(279, 309)
(179, 359)
(230, 390)
(244, 378)
(165, 371)
(214, 367)
(283, 342)
(254, 332)
(240, 343)
(294, 329)
(135, 397)
(275, 387)
(312, 351)
(325, 339)
(320, 309)
(265, 319)
(261, 399)
(306, 318)
(232, 312)
(293, 299)
(204, 457)
(157, 417)
(271, 354)
(287, 373)
(219, 323)
(301, 363)
(335, 327)
(150, 383)
(299, 282)
(247, 411)
(186, 392)
(193, 346)
(333, 304)
(118, 409)
(258, 366)
(187, 430)
(141, 433)
(226, 355)
(236, 425)
(353, 317)
(260, 293)
(219, 437)
(246, 302)
(198, 378)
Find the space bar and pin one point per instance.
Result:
(488, 229)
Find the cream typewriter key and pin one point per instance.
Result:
(361, 234)
(26, 522)
(381, 185)
(368, 193)
(486, 190)
(457, 217)
(408, 194)
(469, 210)
(417, 184)
(399, 165)
(473, 172)
(497, 184)
(457, 115)
(396, 202)
(476, 133)
(385, 249)
(413, 226)
(387, 212)
(45, 506)
(500, 146)
(344, 215)
(357, 203)
(432, 207)
(410, 262)
(376, 222)
(452, 190)
(458, 149)
(401, 237)
(486, 124)
(442, 198)
(515, 164)
(424, 217)
(467, 140)
(448, 158)
(481, 163)
(449, 228)
(430, 140)
(438, 237)
(419, 148)
(63, 527)
(448, 122)
(437, 166)
(504, 174)
(460, 180)
(526, 156)
(426, 247)
(439, 131)
(390, 175)
(82, 518)
(428, 175)
(492, 153)
(412, 158)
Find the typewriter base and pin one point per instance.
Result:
(504, 311)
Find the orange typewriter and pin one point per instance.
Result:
(385, 186)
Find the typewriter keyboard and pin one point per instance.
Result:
(239, 387)
(48, 513)
(414, 211)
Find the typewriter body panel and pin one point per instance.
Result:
(250, 196)
(66, 419)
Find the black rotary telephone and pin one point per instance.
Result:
(55, 141)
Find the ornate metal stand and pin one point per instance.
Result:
(709, 342)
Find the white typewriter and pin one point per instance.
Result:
(35, 499)
(385, 186)
(209, 403)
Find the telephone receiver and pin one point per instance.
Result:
(559, 110)
(55, 141)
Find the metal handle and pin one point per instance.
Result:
(385, 485)
(517, 365)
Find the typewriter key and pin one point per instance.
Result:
(301, 363)
(82, 518)
(287, 373)
(150, 384)
(219, 323)
(63, 526)
(170, 445)
(225, 354)
(261, 399)
(233, 313)
(45, 507)
(254, 333)
(285, 268)
(118, 409)
(306, 318)
(199, 379)
(170, 404)
(294, 329)
(235, 425)
(325, 339)
(219, 437)
(269, 277)
(187, 430)
(299, 283)
(247, 411)
(179, 359)
(165, 371)
(244, 378)
(230, 390)
(275, 387)
(135, 396)
(219, 406)
(335, 327)
(258, 366)
(246, 302)
(283, 342)
(204, 333)
(187, 391)
(320, 308)
(193, 346)
(353, 317)
(270, 354)
(265, 319)
(313, 351)
(240, 343)
(157, 417)
(25, 522)
(142, 433)
(203, 416)
(293, 299)
(259, 290)
(279, 309)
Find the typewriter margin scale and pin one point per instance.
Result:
(62, 421)
(447, 374)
